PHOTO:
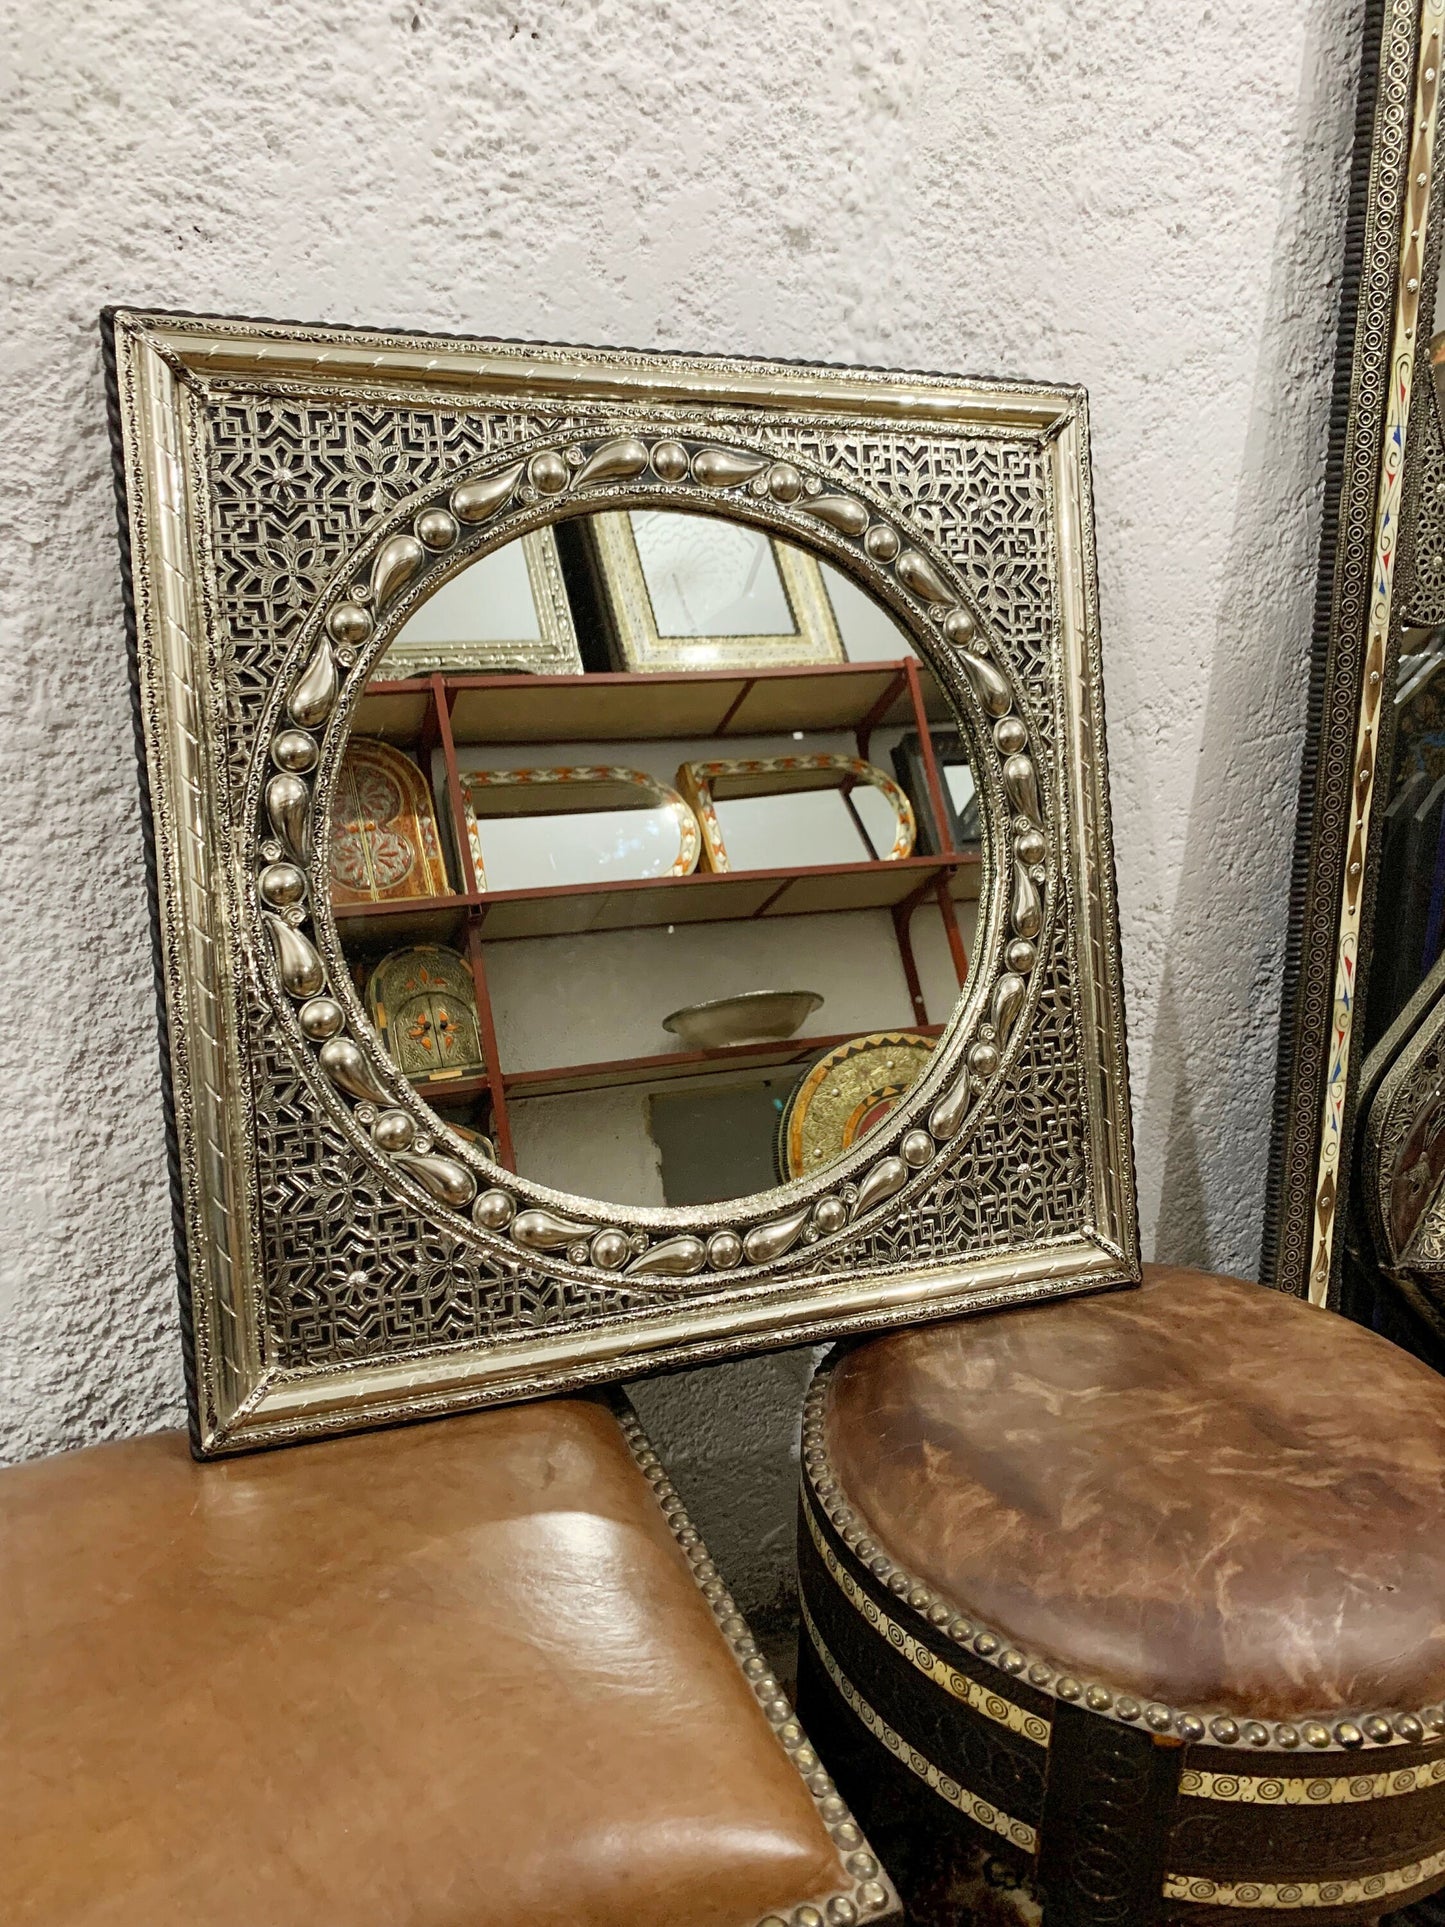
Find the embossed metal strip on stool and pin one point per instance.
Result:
(1124, 1809)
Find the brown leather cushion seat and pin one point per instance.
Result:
(458, 1675)
(1200, 1492)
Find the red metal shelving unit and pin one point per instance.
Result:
(438, 711)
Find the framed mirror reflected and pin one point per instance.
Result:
(442, 1102)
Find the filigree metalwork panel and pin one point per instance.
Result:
(290, 497)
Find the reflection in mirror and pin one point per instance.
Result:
(681, 919)
(573, 824)
(1410, 895)
(786, 812)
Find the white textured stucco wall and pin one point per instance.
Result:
(1144, 198)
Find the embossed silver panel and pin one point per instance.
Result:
(289, 496)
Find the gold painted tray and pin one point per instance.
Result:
(844, 1094)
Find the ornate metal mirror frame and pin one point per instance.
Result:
(288, 496)
(1370, 576)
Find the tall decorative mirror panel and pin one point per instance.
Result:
(1365, 924)
(632, 866)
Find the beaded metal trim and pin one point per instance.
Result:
(982, 1812)
(1327, 1732)
(993, 1706)
(869, 1895)
(1302, 1893)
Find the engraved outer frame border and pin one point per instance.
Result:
(337, 1270)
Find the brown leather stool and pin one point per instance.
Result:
(1145, 1590)
(472, 1674)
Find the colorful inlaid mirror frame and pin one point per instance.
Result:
(337, 1268)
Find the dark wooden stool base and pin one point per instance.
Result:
(981, 1459)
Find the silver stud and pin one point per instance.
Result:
(609, 1249)
(393, 1131)
(881, 543)
(1098, 1699)
(1191, 1727)
(785, 484)
(829, 1215)
(1254, 1733)
(1348, 1734)
(1409, 1728)
(983, 1061)
(294, 751)
(435, 529)
(548, 473)
(985, 1643)
(669, 461)
(1315, 1734)
(1224, 1730)
(1127, 1709)
(1157, 1717)
(1067, 1688)
(1030, 846)
(320, 1018)
(1286, 1736)
(1377, 1729)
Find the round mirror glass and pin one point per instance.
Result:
(655, 857)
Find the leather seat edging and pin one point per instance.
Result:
(865, 1894)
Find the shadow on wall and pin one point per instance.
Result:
(1218, 1010)
(728, 1435)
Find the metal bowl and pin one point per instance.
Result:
(757, 1017)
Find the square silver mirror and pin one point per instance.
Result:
(474, 1206)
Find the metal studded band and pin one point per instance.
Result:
(982, 1812)
(993, 1706)
(1329, 1732)
(869, 1895)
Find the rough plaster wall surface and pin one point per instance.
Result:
(1146, 199)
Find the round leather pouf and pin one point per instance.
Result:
(1146, 1593)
